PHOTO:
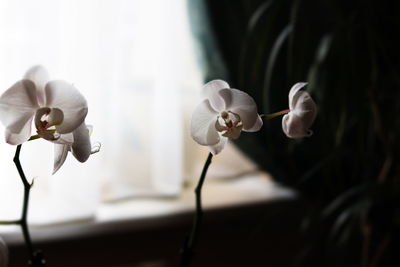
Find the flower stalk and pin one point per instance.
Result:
(274, 115)
(191, 240)
(24, 215)
(36, 257)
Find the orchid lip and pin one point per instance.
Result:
(229, 124)
(46, 120)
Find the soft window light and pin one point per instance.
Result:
(136, 75)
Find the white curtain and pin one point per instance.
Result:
(134, 62)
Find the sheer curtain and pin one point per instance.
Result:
(134, 62)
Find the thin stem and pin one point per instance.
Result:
(191, 241)
(34, 137)
(276, 114)
(24, 215)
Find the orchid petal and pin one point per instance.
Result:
(62, 95)
(202, 126)
(60, 155)
(306, 105)
(81, 148)
(18, 105)
(293, 127)
(257, 126)
(39, 76)
(23, 136)
(242, 104)
(297, 122)
(293, 94)
(56, 116)
(217, 148)
(64, 139)
(219, 127)
(210, 91)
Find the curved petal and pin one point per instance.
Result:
(21, 137)
(293, 126)
(210, 91)
(305, 108)
(56, 117)
(293, 96)
(81, 148)
(202, 126)
(39, 76)
(217, 148)
(62, 95)
(60, 155)
(18, 105)
(64, 139)
(242, 104)
(257, 125)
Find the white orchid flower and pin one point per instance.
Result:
(223, 114)
(56, 107)
(301, 116)
(81, 148)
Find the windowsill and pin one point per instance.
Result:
(142, 214)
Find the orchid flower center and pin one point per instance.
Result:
(229, 124)
(46, 120)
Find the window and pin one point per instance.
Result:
(134, 61)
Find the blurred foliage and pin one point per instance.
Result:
(348, 52)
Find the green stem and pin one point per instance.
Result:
(276, 114)
(24, 215)
(191, 241)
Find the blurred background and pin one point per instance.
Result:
(348, 171)
(141, 65)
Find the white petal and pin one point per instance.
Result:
(257, 126)
(293, 126)
(305, 108)
(81, 148)
(293, 96)
(217, 148)
(202, 126)
(62, 95)
(210, 91)
(64, 139)
(21, 137)
(39, 76)
(56, 116)
(60, 154)
(242, 104)
(18, 105)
